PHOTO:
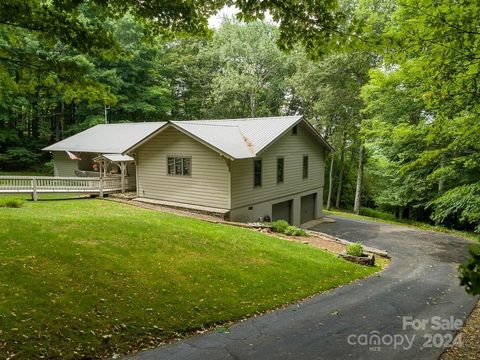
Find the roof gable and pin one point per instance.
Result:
(244, 138)
(233, 138)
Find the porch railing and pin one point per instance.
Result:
(46, 184)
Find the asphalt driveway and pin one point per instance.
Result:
(420, 283)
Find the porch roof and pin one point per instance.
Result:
(115, 157)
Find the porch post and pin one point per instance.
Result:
(122, 170)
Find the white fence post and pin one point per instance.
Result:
(100, 187)
(34, 189)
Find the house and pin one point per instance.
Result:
(245, 169)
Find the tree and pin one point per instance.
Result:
(79, 24)
(470, 272)
(395, 125)
(251, 75)
(436, 47)
(189, 67)
(327, 92)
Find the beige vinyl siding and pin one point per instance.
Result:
(63, 165)
(292, 148)
(208, 184)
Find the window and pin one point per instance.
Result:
(179, 165)
(305, 166)
(257, 172)
(280, 167)
(294, 130)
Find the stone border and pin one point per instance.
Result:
(367, 249)
(368, 260)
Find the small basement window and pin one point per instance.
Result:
(295, 130)
(179, 165)
(280, 170)
(257, 172)
(305, 166)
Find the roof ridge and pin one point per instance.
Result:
(134, 123)
(240, 119)
(247, 141)
(201, 122)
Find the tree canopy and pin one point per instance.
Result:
(392, 84)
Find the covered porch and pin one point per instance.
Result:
(96, 165)
(124, 163)
(94, 174)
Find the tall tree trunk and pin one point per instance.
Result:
(35, 122)
(330, 185)
(56, 118)
(358, 192)
(441, 184)
(253, 105)
(62, 120)
(72, 114)
(341, 171)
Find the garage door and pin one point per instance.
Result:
(282, 211)
(307, 208)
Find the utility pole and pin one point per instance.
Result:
(106, 108)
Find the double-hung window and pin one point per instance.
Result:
(257, 172)
(305, 167)
(179, 165)
(280, 170)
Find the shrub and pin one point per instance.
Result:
(48, 167)
(295, 231)
(470, 271)
(355, 249)
(377, 214)
(11, 202)
(280, 226)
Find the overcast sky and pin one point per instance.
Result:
(215, 21)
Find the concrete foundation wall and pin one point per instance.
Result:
(258, 211)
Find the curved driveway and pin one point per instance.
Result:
(421, 282)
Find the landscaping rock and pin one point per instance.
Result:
(367, 259)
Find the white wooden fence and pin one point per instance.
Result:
(80, 185)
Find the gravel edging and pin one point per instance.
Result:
(470, 335)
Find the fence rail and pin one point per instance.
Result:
(45, 184)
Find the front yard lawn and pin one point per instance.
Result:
(91, 278)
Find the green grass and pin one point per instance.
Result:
(11, 202)
(90, 278)
(377, 214)
(374, 215)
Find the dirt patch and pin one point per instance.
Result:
(165, 209)
(317, 241)
(470, 335)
